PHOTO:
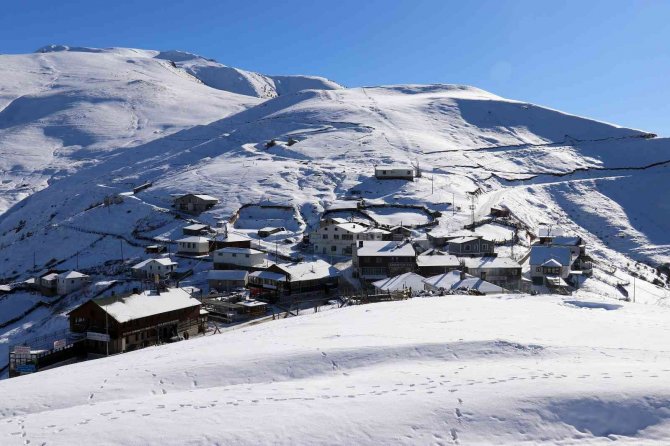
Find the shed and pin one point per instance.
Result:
(195, 203)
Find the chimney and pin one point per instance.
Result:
(462, 275)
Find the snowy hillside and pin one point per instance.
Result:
(78, 126)
(446, 370)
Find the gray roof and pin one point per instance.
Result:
(540, 254)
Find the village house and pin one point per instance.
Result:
(196, 229)
(502, 271)
(407, 282)
(193, 245)
(267, 231)
(395, 172)
(239, 258)
(340, 238)
(138, 320)
(291, 278)
(155, 249)
(227, 279)
(230, 240)
(398, 233)
(474, 245)
(550, 265)
(434, 261)
(149, 268)
(381, 259)
(195, 203)
(458, 280)
(70, 281)
(47, 283)
(499, 212)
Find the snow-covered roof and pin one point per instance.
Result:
(539, 254)
(251, 303)
(490, 262)
(227, 274)
(268, 275)
(145, 304)
(452, 281)
(385, 248)
(163, 261)
(352, 227)
(193, 239)
(206, 197)
(458, 240)
(437, 260)
(317, 269)
(407, 166)
(72, 275)
(236, 250)
(196, 227)
(401, 282)
(231, 237)
(52, 276)
(551, 263)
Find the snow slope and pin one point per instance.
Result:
(444, 370)
(78, 125)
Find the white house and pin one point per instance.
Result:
(404, 282)
(194, 245)
(457, 280)
(395, 172)
(550, 265)
(149, 268)
(245, 258)
(340, 238)
(71, 281)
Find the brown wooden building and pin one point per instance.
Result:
(138, 320)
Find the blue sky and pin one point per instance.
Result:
(608, 60)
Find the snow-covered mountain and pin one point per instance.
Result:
(78, 125)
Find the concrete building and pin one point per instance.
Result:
(375, 260)
(195, 203)
(550, 265)
(501, 271)
(70, 281)
(193, 245)
(239, 258)
(163, 267)
(474, 245)
(395, 172)
(339, 239)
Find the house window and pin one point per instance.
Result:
(336, 228)
(485, 246)
(336, 236)
(325, 236)
(333, 248)
(538, 269)
(467, 247)
(246, 255)
(234, 255)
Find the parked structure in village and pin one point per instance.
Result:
(196, 229)
(193, 245)
(118, 324)
(381, 259)
(434, 261)
(409, 282)
(239, 258)
(70, 281)
(162, 267)
(195, 203)
(474, 245)
(339, 238)
(458, 280)
(395, 172)
(501, 271)
(227, 279)
(291, 278)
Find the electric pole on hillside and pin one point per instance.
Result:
(473, 197)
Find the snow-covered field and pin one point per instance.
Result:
(444, 370)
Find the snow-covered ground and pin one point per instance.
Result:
(444, 370)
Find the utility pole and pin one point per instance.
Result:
(107, 330)
(121, 242)
(634, 287)
(432, 184)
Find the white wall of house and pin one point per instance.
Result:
(382, 172)
(539, 271)
(66, 286)
(153, 267)
(193, 247)
(339, 239)
(248, 258)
